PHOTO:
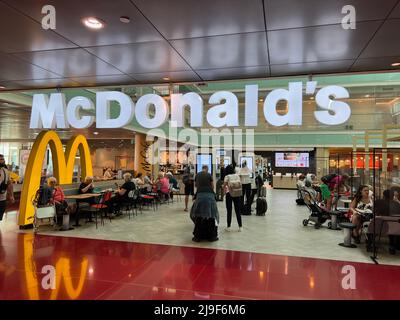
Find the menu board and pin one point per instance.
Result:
(292, 159)
(204, 159)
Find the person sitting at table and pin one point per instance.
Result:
(395, 194)
(163, 186)
(108, 174)
(58, 199)
(148, 183)
(173, 182)
(87, 186)
(360, 210)
(121, 195)
(386, 206)
(139, 181)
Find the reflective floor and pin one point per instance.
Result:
(105, 269)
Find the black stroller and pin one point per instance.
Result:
(320, 215)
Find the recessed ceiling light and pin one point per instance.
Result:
(395, 64)
(1, 87)
(93, 23)
(95, 133)
(125, 19)
(367, 95)
(166, 78)
(312, 98)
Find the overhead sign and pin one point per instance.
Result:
(53, 111)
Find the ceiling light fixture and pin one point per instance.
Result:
(166, 78)
(395, 64)
(125, 19)
(95, 133)
(93, 23)
(1, 87)
(367, 95)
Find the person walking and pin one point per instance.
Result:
(188, 181)
(233, 195)
(244, 174)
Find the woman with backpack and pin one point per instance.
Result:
(233, 191)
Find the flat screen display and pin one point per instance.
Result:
(292, 159)
(249, 161)
(204, 159)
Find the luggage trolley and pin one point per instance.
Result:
(43, 213)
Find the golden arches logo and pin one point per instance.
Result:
(63, 167)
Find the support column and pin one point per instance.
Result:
(366, 167)
(142, 162)
(355, 156)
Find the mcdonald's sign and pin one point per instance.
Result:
(63, 166)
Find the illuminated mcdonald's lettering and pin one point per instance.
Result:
(63, 272)
(63, 166)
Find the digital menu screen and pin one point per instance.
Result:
(292, 159)
(204, 159)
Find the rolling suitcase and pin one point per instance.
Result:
(261, 206)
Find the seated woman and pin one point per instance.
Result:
(58, 198)
(108, 174)
(163, 185)
(361, 210)
(139, 181)
(121, 195)
(204, 212)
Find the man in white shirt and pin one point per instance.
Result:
(245, 179)
(6, 187)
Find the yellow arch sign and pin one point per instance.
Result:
(63, 166)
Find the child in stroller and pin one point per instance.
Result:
(319, 214)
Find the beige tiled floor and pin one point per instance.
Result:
(279, 232)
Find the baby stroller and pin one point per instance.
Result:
(319, 215)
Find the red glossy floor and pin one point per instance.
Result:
(98, 269)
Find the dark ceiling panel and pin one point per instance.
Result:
(12, 68)
(142, 57)
(386, 42)
(283, 14)
(322, 43)
(396, 12)
(234, 73)
(104, 80)
(239, 50)
(19, 33)
(158, 77)
(42, 83)
(70, 62)
(373, 64)
(69, 15)
(311, 67)
(177, 19)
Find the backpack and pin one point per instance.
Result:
(3, 184)
(235, 189)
